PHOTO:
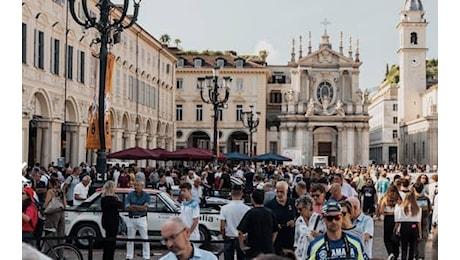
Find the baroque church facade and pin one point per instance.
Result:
(324, 112)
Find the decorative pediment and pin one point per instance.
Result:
(324, 56)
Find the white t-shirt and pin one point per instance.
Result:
(82, 191)
(188, 211)
(400, 216)
(232, 213)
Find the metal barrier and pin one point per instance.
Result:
(92, 240)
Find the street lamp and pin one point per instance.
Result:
(250, 120)
(109, 34)
(217, 96)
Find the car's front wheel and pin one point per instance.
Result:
(85, 230)
(204, 236)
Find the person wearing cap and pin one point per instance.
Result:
(29, 215)
(335, 244)
(230, 216)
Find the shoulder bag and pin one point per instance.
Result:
(55, 205)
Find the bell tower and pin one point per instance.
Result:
(412, 57)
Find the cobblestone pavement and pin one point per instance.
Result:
(379, 251)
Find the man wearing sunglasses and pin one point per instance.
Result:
(335, 244)
(176, 237)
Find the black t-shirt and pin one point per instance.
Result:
(227, 182)
(164, 187)
(283, 214)
(368, 192)
(259, 232)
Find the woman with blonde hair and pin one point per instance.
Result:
(386, 208)
(110, 204)
(408, 217)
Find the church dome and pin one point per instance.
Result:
(413, 5)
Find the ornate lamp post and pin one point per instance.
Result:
(217, 96)
(250, 120)
(108, 32)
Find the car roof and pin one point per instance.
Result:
(128, 190)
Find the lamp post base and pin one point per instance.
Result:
(101, 164)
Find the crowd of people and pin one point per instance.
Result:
(306, 212)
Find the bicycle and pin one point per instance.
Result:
(59, 251)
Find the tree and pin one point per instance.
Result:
(165, 39)
(177, 42)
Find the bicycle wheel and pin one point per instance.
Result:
(64, 251)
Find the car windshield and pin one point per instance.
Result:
(170, 200)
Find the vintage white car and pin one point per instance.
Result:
(85, 219)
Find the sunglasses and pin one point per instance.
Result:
(315, 195)
(330, 218)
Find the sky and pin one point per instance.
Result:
(247, 26)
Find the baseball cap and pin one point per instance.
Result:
(29, 192)
(331, 206)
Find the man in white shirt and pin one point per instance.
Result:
(80, 192)
(230, 217)
(190, 211)
(197, 191)
(363, 222)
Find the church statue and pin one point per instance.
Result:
(326, 100)
(310, 108)
(339, 108)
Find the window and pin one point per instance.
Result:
(395, 120)
(275, 97)
(199, 112)
(24, 43)
(280, 79)
(55, 48)
(131, 88)
(274, 147)
(179, 83)
(239, 84)
(81, 67)
(220, 63)
(197, 63)
(239, 112)
(414, 150)
(325, 91)
(39, 49)
(93, 69)
(239, 63)
(180, 63)
(167, 68)
(395, 134)
(395, 107)
(70, 62)
(178, 112)
(413, 38)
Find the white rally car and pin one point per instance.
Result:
(85, 219)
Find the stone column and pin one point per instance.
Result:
(117, 139)
(365, 145)
(283, 136)
(72, 146)
(350, 148)
(359, 149)
(308, 146)
(340, 151)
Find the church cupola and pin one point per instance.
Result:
(413, 5)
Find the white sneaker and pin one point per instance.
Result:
(391, 257)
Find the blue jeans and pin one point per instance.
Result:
(230, 246)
